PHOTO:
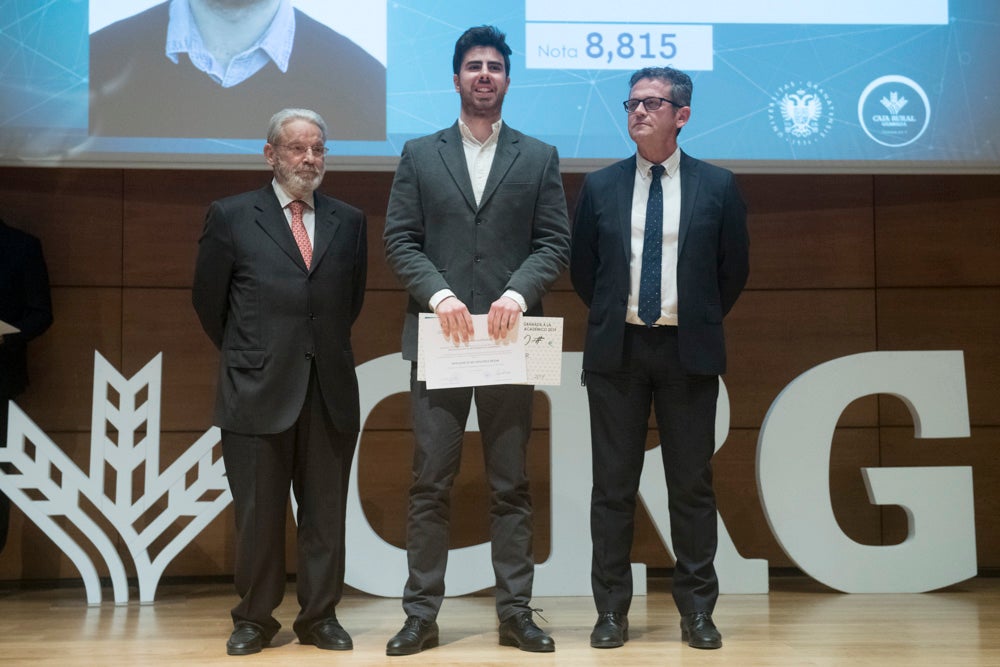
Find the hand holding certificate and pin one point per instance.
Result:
(534, 348)
(480, 360)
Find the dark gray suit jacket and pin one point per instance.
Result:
(436, 237)
(712, 262)
(271, 318)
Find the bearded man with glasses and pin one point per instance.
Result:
(279, 280)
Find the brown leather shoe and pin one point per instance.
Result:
(699, 631)
(328, 634)
(610, 631)
(415, 636)
(246, 639)
(520, 631)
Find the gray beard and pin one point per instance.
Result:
(232, 5)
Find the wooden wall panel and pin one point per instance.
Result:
(773, 337)
(368, 191)
(164, 216)
(121, 245)
(163, 321)
(378, 329)
(61, 361)
(937, 230)
(947, 319)
(809, 232)
(77, 214)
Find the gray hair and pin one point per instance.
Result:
(286, 116)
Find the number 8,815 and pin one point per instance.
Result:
(627, 46)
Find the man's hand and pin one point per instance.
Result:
(503, 317)
(456, 322)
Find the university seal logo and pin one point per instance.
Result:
(801, 113)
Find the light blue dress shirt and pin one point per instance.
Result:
(275, 45)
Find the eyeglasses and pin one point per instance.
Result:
(650, 104)
(300, 151)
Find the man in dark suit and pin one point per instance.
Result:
(218, 61)
(476, 224)
(659, 255)
(26, 305)
(279, 280)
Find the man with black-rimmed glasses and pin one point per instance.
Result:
(659, 256)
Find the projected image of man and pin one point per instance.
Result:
(217, 61)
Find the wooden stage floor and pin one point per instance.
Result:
(799, 623)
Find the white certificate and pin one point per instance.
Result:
(481, 361)
(541, 338)
(7, 328)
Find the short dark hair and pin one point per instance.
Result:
(483, 35)
(681, 86)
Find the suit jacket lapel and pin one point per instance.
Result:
(453, 156)
(624, 187)
(271, 218)
(690, 179)
(507, 151)
(327, 223)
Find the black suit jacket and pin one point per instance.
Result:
(25, 302)
(136, 91)
(436, 237)
(273, 319)
(712, 262)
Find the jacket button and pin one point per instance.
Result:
(309, 356)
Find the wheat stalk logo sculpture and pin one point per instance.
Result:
(124, 449)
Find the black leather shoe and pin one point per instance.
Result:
(416, 635)
(610, 631)
(520, 631)
(328, 634)
(699, 631)
(246, 639)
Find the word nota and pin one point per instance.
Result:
(793, 472)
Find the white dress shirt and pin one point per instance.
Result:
(671, 182)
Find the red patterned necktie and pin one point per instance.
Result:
(299, 231)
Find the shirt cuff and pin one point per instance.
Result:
(518, 299)
(438, 297)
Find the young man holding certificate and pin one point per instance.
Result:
(476, 224)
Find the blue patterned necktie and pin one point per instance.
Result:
(652, 252)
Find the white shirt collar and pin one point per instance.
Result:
(285, 199)
(275, 44)
(671, 164)
(468, 136)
